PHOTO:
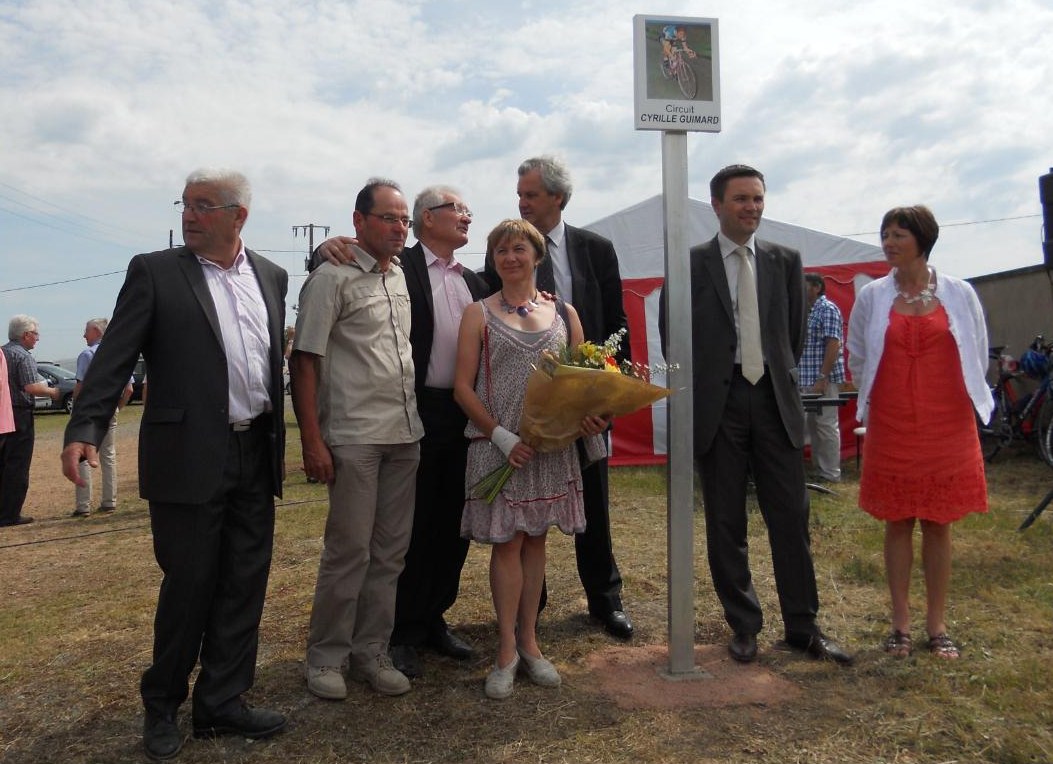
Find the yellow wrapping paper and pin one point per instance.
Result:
(558, 397)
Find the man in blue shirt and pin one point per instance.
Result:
(93, 332)
(822, 370)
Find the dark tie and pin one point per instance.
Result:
(545, 279)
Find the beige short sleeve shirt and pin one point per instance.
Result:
(357, 318)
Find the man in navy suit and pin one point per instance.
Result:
(750, 422)
(208, 319)
(582, 268)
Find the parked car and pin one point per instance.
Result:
(62, 378)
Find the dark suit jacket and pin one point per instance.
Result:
(596, 285)
(780, 295)
(165, 311)
(422, 307)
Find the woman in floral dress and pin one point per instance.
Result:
(501, 339)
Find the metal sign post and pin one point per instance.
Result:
(677, 90)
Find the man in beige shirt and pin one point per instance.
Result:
(353, 393)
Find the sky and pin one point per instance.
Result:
(849, 109)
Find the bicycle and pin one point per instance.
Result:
(685, 76)
(1018, 415)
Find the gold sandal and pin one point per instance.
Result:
(943, 646)
(898, 644)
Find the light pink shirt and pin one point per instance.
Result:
(7, 415)
(246, 341)
(449, 298)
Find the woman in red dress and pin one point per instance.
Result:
(917, 347)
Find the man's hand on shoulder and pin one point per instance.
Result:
(338, 250)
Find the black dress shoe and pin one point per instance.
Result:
(616, 623)
(743, 648)
(406, 660)
(819, 647)
(445, 642)
(20, 520)
(161, 736)
(249, 722)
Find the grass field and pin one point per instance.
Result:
(76, 626)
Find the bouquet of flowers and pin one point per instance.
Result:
(565, 388)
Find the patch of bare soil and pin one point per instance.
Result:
(638, 678)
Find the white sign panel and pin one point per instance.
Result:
(677, 73)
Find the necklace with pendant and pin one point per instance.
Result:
(925, 296)
(523, 310)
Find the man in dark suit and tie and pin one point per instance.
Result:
(748, 329)
(440, 288)
(208, 319)
(582, 268)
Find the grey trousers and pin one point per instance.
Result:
(366, 537)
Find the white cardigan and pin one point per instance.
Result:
(870, 318)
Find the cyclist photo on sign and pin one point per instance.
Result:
(674, 38)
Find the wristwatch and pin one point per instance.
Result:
(821, 378)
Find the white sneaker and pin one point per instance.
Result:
(382, 676)
(499, 681)
(540, 670)
(326, 682)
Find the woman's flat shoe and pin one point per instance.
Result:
(540, 670)
(499, 681)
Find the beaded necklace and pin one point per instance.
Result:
(925, 296)
(523, 310)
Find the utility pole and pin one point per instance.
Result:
(308, 231)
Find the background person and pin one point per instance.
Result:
(23, 333)
(93, 332)
(211, 453)
(917, 346)
(822, 371)
(7, 416)
(501, 341)
(747, 316)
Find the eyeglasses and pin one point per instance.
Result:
(457, 207)
(201, 209)
(405, 222)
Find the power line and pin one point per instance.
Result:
(58, 283)
(952, 225)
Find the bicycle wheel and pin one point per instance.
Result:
(685, 78)
(996, 435)
(1045, 431)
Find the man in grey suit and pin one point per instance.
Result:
(748, 419)
(208, 319)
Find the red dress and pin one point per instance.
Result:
(921, 455)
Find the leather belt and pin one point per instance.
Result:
(245, 425)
